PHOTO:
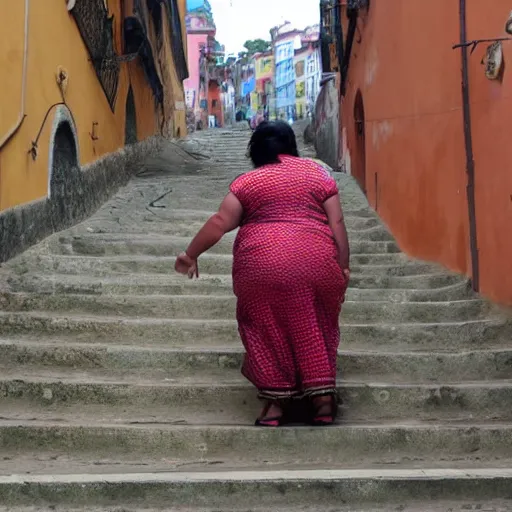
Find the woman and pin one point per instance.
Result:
(290, 273)
(257, 120)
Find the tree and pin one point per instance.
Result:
(256, 46)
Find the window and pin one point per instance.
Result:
(215, 103)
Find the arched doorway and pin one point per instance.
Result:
(64, 175)
(130, 129)
(359, 161)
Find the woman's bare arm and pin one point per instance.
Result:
(337, 224)
(225, 220)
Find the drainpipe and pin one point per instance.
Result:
(21, 117)
(468, 139)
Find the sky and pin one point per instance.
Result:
(253, 19)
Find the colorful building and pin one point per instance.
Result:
(300, 82)
(284, 41)
(310, 39)
(313, 77)
(201, 32)
(247, 87)
(433, 159)
(264, 64)
(70, 97)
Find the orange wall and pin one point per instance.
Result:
(491, 109)
(409, 78)
(214, 95)
(54, 40)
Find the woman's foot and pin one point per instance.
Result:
(271, 415)
(325, 410)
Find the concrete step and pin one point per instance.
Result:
(413, 506)
(353, 221)
(173, 284)
(393, 365)
(111, 222)
(204, 398)
(224, 307)
(208, 263)
(158, 245)
(152, 224)
(428, 281)
(237, 448)
(257, 488)
(177, 333)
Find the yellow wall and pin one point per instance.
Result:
(54, 40)
(264, 67)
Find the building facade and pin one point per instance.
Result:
(313, 67)
(70, 98)
(201, 32)
(264, 65)
(284, 44)
(300, 82)
(433, 159)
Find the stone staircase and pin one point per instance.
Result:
(120, 385)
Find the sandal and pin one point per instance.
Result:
(325, 410)
(273, 421)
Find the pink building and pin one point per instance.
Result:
(200, 30)
(195, 42)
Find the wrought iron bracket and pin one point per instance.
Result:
(473, 44)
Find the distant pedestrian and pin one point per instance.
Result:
(290, 273)
(257, 119)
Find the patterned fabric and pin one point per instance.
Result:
(322, 164)
(287, 279)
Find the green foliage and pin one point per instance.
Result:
(256, 46)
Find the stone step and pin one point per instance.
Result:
(143, 214)
(152, 224)
(158, 245)
(177, 215)
(427, 281)
(167, 216)
(172, 284)
(413, 506)
(178, 333)
(236, 448)
(224, 307)
(209, 263)
(490, 363)
(264, 489)
(204, 398)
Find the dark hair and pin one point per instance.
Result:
(269, 140)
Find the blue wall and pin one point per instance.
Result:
(285, 74)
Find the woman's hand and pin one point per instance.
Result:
(346, 273)
(186, 265)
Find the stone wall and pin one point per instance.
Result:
(72, 199)
(326, 124)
